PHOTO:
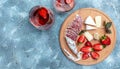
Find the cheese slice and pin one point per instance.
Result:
(98, 21)
(88, 36)
(90, 21)
(90, 27)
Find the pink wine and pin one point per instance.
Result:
(41, 17)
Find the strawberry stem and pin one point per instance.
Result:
(104, 46)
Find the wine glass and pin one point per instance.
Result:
(41, 17)
(64, 5)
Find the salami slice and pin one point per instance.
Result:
(71, 34)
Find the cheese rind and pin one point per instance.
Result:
(98, 21)
(88, 36)
(89, 20)
(90, 27)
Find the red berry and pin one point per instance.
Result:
(94, 55)
(86, 49)
(58, 4)
(98, 47)
(88, 43)
(105, 40)
(43, 13)
(59, 1)
(68, 1)
(85, 56)
(81, 39)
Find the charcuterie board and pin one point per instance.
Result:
(84, 13)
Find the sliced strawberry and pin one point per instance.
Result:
(86, 49)
(59, 1)
(43, 12)
(68, 1)
(105, 40)
(88, 43)
(58, 4)
(98, 47)
(94, 55)
(81, 39)
(85, 56)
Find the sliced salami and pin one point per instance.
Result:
(74, 28)
(71, 34)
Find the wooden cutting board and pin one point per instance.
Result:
(84, 13)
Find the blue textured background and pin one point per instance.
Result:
(24, 47)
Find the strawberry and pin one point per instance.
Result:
(81, 39)
(105, 40)
(88, 43)
(59, 1)
(68, 1)
(43, 12)
(98, 47)
(85, 56)
(94, 55)
(86, 49)
(58, 4)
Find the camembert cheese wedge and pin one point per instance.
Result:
(98, 21)
(88, 27)
(88, 36)
(89, 20)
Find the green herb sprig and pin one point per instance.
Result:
(107, 27)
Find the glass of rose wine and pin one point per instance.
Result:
(64, 5)
(41, 17)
